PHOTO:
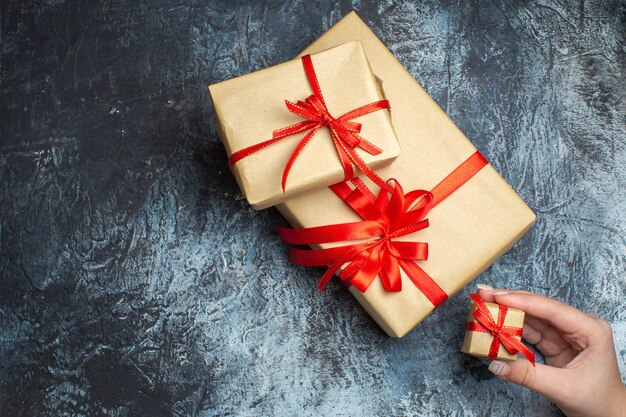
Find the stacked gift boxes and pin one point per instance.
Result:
(421, 220)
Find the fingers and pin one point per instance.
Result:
(531, 335)
(550, 337)
(487, 296)
(543, 379)
(555, 349)
(487, 292)
(544, 345)
(556, 352)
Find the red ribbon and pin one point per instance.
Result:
(384, 219)
(344, 132)
(502, 334)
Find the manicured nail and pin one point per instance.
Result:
(501, 292)
(484, 287)
(499, 368)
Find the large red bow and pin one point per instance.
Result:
(502, 334)
(344, 132)
(384, 219)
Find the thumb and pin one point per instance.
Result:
(546, 380)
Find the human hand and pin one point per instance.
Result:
(580, 375)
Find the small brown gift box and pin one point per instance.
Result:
(468, 231)
(478, 343)
(251, 107)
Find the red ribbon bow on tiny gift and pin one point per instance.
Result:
(344, 132)
(384, 219)
(505, 335)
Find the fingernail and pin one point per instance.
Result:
(484, 287)
(499, 368)
(500, 292)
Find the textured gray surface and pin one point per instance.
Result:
(135, 280)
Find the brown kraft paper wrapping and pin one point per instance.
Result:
(251, 107)
(478, 343)
(468, 231)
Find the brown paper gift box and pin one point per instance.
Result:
(468, 231)
(478, 343)
(249, 108)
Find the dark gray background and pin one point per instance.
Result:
(136, 281)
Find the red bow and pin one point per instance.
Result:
(384, 219)
(501, 333)
(344, 132)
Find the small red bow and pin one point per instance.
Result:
(344, 132)
(501, 333)
(384, 219)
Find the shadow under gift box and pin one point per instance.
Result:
(249, 108)
(468, 231)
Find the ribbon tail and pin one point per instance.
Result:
(391, 272)
(350, 271)
(328, 275)
(344, 158)
(353, 254)
(295, 154)
(366, 273)
(435, 294)
(518, 346)
(366, 170)
(494, 348)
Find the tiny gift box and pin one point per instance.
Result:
(309, 122)
(494, 331)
